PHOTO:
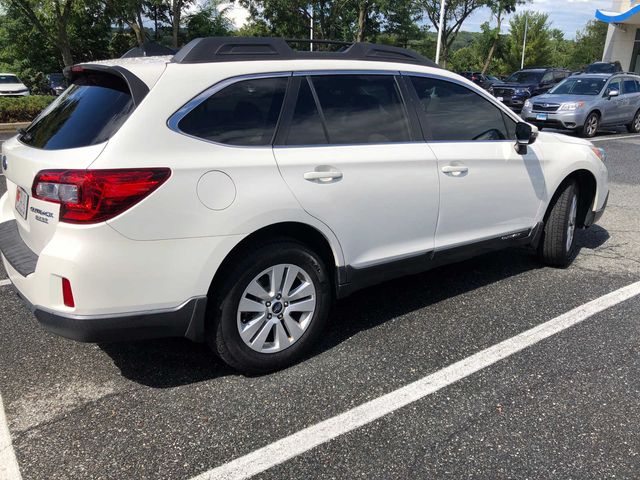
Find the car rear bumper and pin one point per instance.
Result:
(187, 320)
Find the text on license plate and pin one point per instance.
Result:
(541, 116)
(22, 201)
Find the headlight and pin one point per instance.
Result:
(599, 152)
(527, 104)
(571, 106)
(522, 91)
(490, 89)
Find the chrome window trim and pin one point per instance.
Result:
(178, 115)
(311, 73)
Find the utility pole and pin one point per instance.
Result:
(311, 30)
(440, 25)
(524, 40)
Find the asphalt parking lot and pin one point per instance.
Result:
(566, 407)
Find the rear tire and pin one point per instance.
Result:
(634, 126)
(591, 124)
(557, 246)
(272, 308)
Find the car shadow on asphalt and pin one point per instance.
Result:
(169, 363)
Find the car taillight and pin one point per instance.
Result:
(92, 196)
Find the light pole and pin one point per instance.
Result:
(524, 40)
(311, 30)
(440, 25)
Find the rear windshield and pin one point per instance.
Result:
(9, 79)
(88, 113)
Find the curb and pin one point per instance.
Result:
(13, 127)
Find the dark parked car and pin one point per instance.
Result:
(57, 83)
(527, 83)
(604, 67)
(476, 77)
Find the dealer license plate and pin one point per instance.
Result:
(22, 202)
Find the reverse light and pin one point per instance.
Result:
(571, 106)
(67, 294)
(93, 196)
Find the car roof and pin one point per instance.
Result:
(12, 74)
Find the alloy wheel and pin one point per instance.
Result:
(592, 125)
(276, 308)
(571, 227)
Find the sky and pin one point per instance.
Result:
(567, 15)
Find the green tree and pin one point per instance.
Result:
(208, 21)
(455, 14)
(590, 43)
(499, 8)
(538, 49)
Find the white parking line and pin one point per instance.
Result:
(304, 440)
(8, 463)
(2, 284)
(617, 137)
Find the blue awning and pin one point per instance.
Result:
(617, 17)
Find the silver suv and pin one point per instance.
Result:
(586, 102)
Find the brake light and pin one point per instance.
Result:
(67, 294)
(92, 196)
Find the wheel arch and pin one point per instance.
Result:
(587, 187)
(302, 232)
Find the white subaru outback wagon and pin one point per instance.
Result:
(230, 193)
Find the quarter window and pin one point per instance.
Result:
(245, 113)
(630, 86)
(455, 113)
(362, 109)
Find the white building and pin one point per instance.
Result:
(623, 36)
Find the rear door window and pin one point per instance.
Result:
(361, 109)
(89, 112)
(630, 86)
(244, 113)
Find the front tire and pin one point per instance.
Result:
(634, 126)
(591, 124)
(557, 246)
(273, 309)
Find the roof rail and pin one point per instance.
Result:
(148, 49)
(228, 49)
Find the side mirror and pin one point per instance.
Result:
(525, 135)
(613, 93)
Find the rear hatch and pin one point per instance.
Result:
(69, 134)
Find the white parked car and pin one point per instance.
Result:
(231, 193)
(11, 86)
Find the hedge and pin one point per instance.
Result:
(22, 109)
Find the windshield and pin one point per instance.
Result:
(601, 68)
(525, 77)
(88, 113)
(9, 79)
(580, 86)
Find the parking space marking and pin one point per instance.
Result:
(617, 137)
(8, 463)
(4, 283)
(325, 431)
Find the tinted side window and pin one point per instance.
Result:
(245, 113)
(88, 113)
(630, 86)
(455, 113)
(306, 126)
(547, 77)
(362, 108)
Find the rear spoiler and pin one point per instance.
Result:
(137, 87)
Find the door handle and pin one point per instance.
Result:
(455, 170)
(328, 176)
